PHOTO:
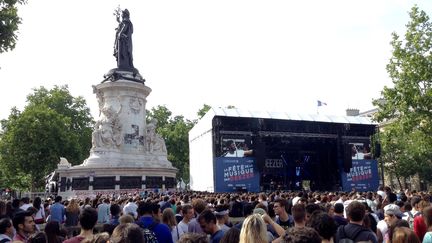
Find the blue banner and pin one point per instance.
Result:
(363, 176)
(234, 174)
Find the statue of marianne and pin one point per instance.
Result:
(123, 41)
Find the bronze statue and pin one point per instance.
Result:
(123, 41)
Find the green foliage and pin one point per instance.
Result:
(203, 111)
(407, 106)
(53, 124)
(175, 131)
(9, 21)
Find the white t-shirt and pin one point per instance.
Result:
(382, 226)
(183, 226)
(176, 233)
(236, 153)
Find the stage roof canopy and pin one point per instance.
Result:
(205, 123)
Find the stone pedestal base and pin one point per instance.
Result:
(87, 181)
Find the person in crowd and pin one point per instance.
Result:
(420, 227)
(427, 216)
(165, 203)
(188, 215)
(38, 237)
(103, 210)
(283, 219)
(3, 209)
(131, 208)
(354, 230)
(324, 224)
(235, 207)
(254, 230)
(199, 206)
(299, 215)
(232, 235)
(102, 237)
(339, 214)
(147, 221)
(15, 208)
(128, 233)
(221, 212)
(179, 215)
(72, 212)
(6, 230)
(24, 226)
(127, 218)
(194, 238)
(52, 231)
(87, 219)
(169, 219)
(40, 214)
(404, 235)
(25, 203)
(208, 223)
(57, 210)
(302, 235)
(115, 211)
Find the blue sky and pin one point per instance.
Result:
(258, 55)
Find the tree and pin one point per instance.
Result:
(175, 131)
(201, 112)
(9, 21)
(53, 124)
(407, 106)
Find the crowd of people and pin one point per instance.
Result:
(379, 216)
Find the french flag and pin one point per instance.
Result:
(320, 103)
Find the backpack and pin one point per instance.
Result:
(149, 235)
(345, 239)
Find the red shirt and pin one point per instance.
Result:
(420, 227)
(76, 239)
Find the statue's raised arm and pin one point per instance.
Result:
(123, 41)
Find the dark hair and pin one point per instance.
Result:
(58, 199)
(4, 224)
(232, 235)
(144, 208)
(356, 211)
(312, 207)
(115, 209)
(282, 202)
(247, 209)
(186, 208)
(392, 197)
(339, 208)
(39, 237)
(302, 235)
(25, 200)
(19, 218)
(37, 203)
(52, 231)
(415, 200)
(323, 224)
(208, 216)
(88, 218)
(298, 212)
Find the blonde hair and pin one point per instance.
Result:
(73, 206)
(254, 230)
(168, 217)
(403, 234)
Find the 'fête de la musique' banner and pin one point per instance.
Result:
(236, 173)
(363, 176)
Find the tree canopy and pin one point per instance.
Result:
(406, 107)
(53, 124)
(9, 21)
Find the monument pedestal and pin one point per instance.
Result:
(127, 154)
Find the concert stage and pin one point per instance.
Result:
(237, 150)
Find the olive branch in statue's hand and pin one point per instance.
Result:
(117, 13)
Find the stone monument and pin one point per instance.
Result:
(127, 154)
